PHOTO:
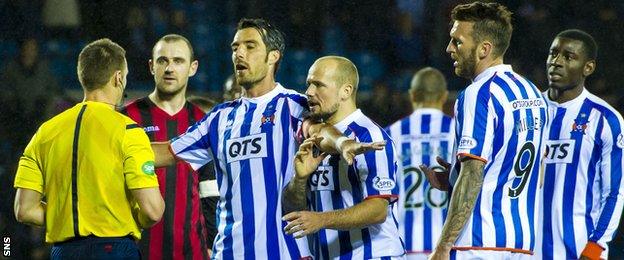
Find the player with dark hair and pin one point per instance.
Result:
(164, 114)
(583, 191)
(93, 166)
(252, 141)
(500, 119)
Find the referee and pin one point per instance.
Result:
(93, 167)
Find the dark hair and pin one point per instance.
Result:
(492, 21)
(98, 61)
(272, 37)
(175, 38)
(589, 44)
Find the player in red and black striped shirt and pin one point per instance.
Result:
(164, 114)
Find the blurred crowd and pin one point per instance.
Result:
(387, 39)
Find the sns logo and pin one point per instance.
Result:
(322, 179)
(253, 146)
(383, 183)
(467, 142)
(559, 151)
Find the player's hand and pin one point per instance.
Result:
(350, 148)
(303, 223)
(305, 160)
(438, 176)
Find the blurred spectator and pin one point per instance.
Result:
(29, 94)
(378, 105)
(62, 18)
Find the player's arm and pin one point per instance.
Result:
(151, 206)
(140, 178)
(463, 200)
(611, 167)
(369, 212)
(334, 142)
(294, 195)
(162, 154)
(28, 207)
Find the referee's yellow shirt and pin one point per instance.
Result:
(84, 161)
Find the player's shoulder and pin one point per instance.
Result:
(294, 96)
(607, 111)
(367, 130)
(139, 104)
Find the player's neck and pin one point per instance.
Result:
(419, 105)
(562, 96)
(343, 112)
(101, 95)
(486, 63)
(260, 88)
(172, 104)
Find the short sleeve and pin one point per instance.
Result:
(475, 122)
(193, 146)
(29, 174)
(138, 163)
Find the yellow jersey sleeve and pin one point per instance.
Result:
(29, 174)
(138, 159)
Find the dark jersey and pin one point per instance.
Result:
(181, 234)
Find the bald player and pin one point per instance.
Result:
(421, 138)
(351, 211)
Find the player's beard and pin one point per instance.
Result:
(324, 115)
(468, 65)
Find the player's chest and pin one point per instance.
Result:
(572, 137)
(332, 175)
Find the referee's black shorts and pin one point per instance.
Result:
(92, 247)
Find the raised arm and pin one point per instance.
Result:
(334, 142)
(163, 155)
(463, 201)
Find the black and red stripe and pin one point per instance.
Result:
(181, 232)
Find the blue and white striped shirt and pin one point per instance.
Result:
(252, 141)
(582, 192)
(336, 186)
(420, 138)
(500, 120)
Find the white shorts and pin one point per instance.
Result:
(417, 256)
(488, 254)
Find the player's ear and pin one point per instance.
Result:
(346, 91)
(274, 56)
(150, 63)
(193, 69)
(485, 48)
(589, 68)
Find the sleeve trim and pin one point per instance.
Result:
(592, 250)
(471, 156)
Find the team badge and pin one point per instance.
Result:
(580, 124)
(268, 117)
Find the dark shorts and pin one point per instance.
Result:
(96, 248)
